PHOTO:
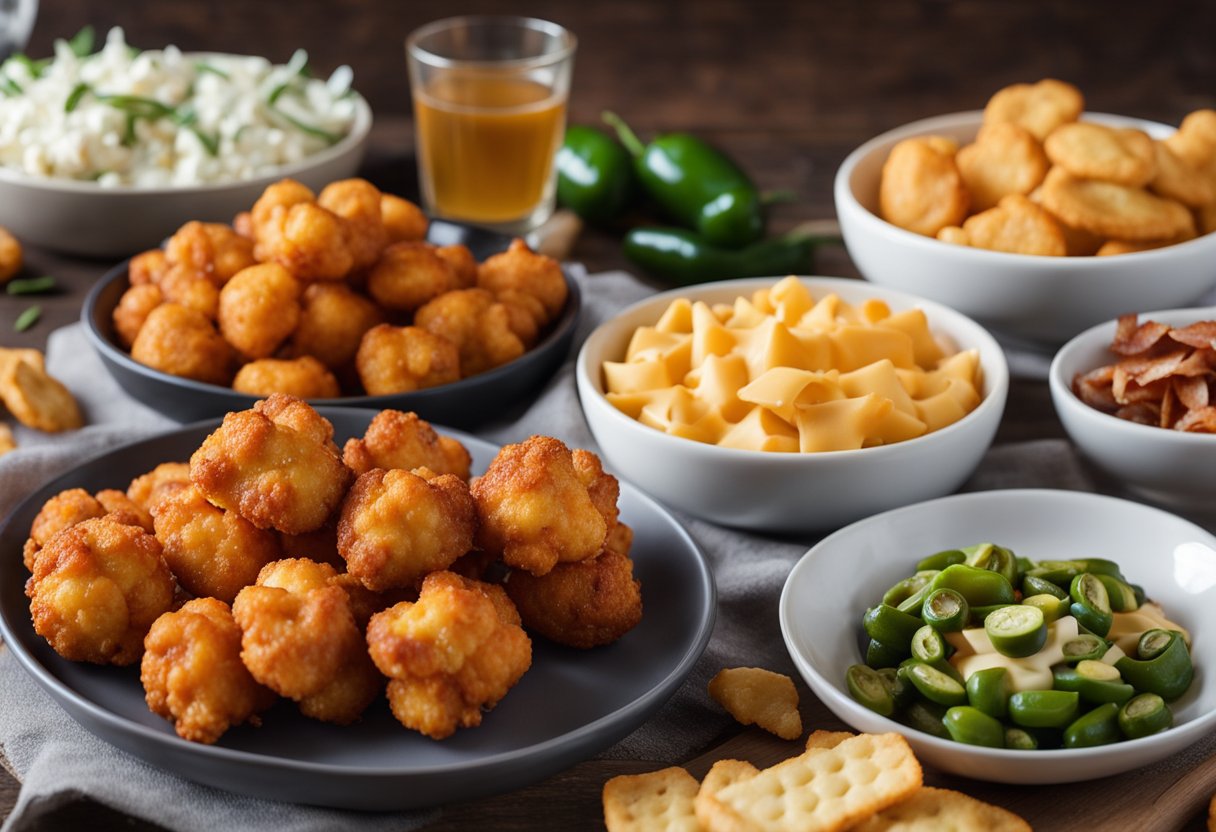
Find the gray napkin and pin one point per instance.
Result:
(57, 759)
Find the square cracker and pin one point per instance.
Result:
(722, 774)
(942, 810)
(822, 790)
(826, 739)
(657, 801)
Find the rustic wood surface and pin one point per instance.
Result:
(788, 88)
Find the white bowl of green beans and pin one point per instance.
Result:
(1171, 560)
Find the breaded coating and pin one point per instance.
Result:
(182, 342)
(451, 655)
(148, 489)
(64, 510)
(259, 307)
(522, 270)
(403, 220)
(395, 439)
(304, 377)
(192, 672)
(603, 488)
(300, 638)
(96, 589)
(409, 274)
(477, 324)
(123, 509)
(526, 314)
(147, 267)
(620, 539)
(320, 545)
(463, 263)
(211, 248)
(357, 201)
(585, 604)
(397, 527)
(333, 318)
(307, 240)
(183, 285)
(400, 359)
(276, 465)
(11, 256)
(211, 551)
(535, 508)
(133, 309)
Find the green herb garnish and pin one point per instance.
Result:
(27, 318)
(30, 285)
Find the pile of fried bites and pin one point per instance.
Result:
(274, 564)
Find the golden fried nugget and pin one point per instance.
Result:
(1015, 225)
(211, 551)
(1206, 218)
(149, 489)
(242, 224)
(37, 399)
(1179, 180)
(720, 775)
(654, 800)
(185, 286)
(451, 655)
(276, 465)
(397, 527)
(409, 274)
(308, 241)
(212, 249)
(603, 488)
(96, 589)
(519, 269)
(921, 189)
(304, 377)
(1096, 151)
(1113, 247)
(395, 439)
(133, 308)
(931, 810)
(1113, 211)
(147, 267)
(400, 359)
(585, 604)
(333, 320)
(320, 545)
(1004, 159)
(123, 509)
(66, 509)
(620, 539)
(192, 672)
(183, 342)
(1040, 107)
(755, 696)
(10, 356)
(1195, 139)
(357, 201)
(463, 263)
(258, 308)
(403, 220)
(11, 256)
(7, 442)
(526, 314)
(954, 235)
(534, 508)
(477, 324)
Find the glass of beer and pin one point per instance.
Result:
(489, 112)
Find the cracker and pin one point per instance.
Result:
(821, 790)
(656, 800)
(934, 810)
(1004, 159)
(1179, 180)
(1114, 211)
(921, 189)
(827, 739)
(1095, 151)
(7, 442)
(11, 355)
(1195, 139)
(1018, 226)
(723, 773)
(755, 696)
(1039, 108)
(37, 400)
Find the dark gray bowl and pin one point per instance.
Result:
(569, 706)
(465, 403)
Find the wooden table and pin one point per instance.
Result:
(788, 88)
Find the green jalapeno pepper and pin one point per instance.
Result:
(1020, 739)
(1097, 682)
(890, 626)
(1122, 596)
(1144, 714)
(879, 655)
(595, 176)
(1053, 608)
(1084, 646)
(696, 185)
(868, 688)
(934, 684)
(1152, 643)
(1098, 727)
(925, 716)
(684, 257)
(1016, 630)
(993, 558)
(929, 646)
(941, 560)
(1091, 603)
(974, 727)
(945, 610)
(1168, 674)
(1044, 708)
(979, 586)
(902, 692)
(907, 588)
(989, 690)
(1034, 585)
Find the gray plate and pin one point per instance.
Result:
(570, 705)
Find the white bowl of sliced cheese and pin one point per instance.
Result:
(792, 405)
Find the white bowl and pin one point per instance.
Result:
(829, 589)
(787, 492)
(1044, 299)
(83, 218)
(1165, 466)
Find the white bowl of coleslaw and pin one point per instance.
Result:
(104, 153)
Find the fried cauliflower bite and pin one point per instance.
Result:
(399, 359)
(133, 308)
(192, 672)
(585, 604)
(210, 248)
(308, 241)
(11, 256)
(403, 220)
(455, 652)
(182, 284)
(258, 308)
(211, 551)
(464, 265)
(96, 589)
(304, 377)
(477, 324)
(603, 488)
(320, 545)
(123, 509)
(148, 489)
(333, 319)
(397, 526)
(300, 638)
(409, 274)
(183, 342)
(265, 217)
(64, 510)
(535, 508)
(147, 267)
(276, 465)
(357, 201)
(396, 439)
(519, 269)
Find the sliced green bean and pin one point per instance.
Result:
(1144, 714)
(993, 558)
(989, 690)
(979, 586)
(1017, 631)
(906, 588)
(945, 610)
(1044, 708)
(941, 560)
(890, 626)
(1098, 727)
(1034, 585)
(928, 645)
(935, 685)
(1093, 685)
(868, 688)
(1053, 608)
(1084, 646)
(1020, 739)
(1152, 643)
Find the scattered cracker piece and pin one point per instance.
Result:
(11, 355)
(1114, 211)
(724, 773)
(7, 442)
(821, 790)
(827, 739)
(38, 400)
(1004, 159)
(651, 802)
(921, 189)
(1040, 107)
(756, 696)
(935, 810)
(1018, 226)
(1096, 151)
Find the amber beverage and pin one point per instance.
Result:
(489, 110)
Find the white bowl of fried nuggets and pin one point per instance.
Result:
(1033, 216)
(274, 564)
